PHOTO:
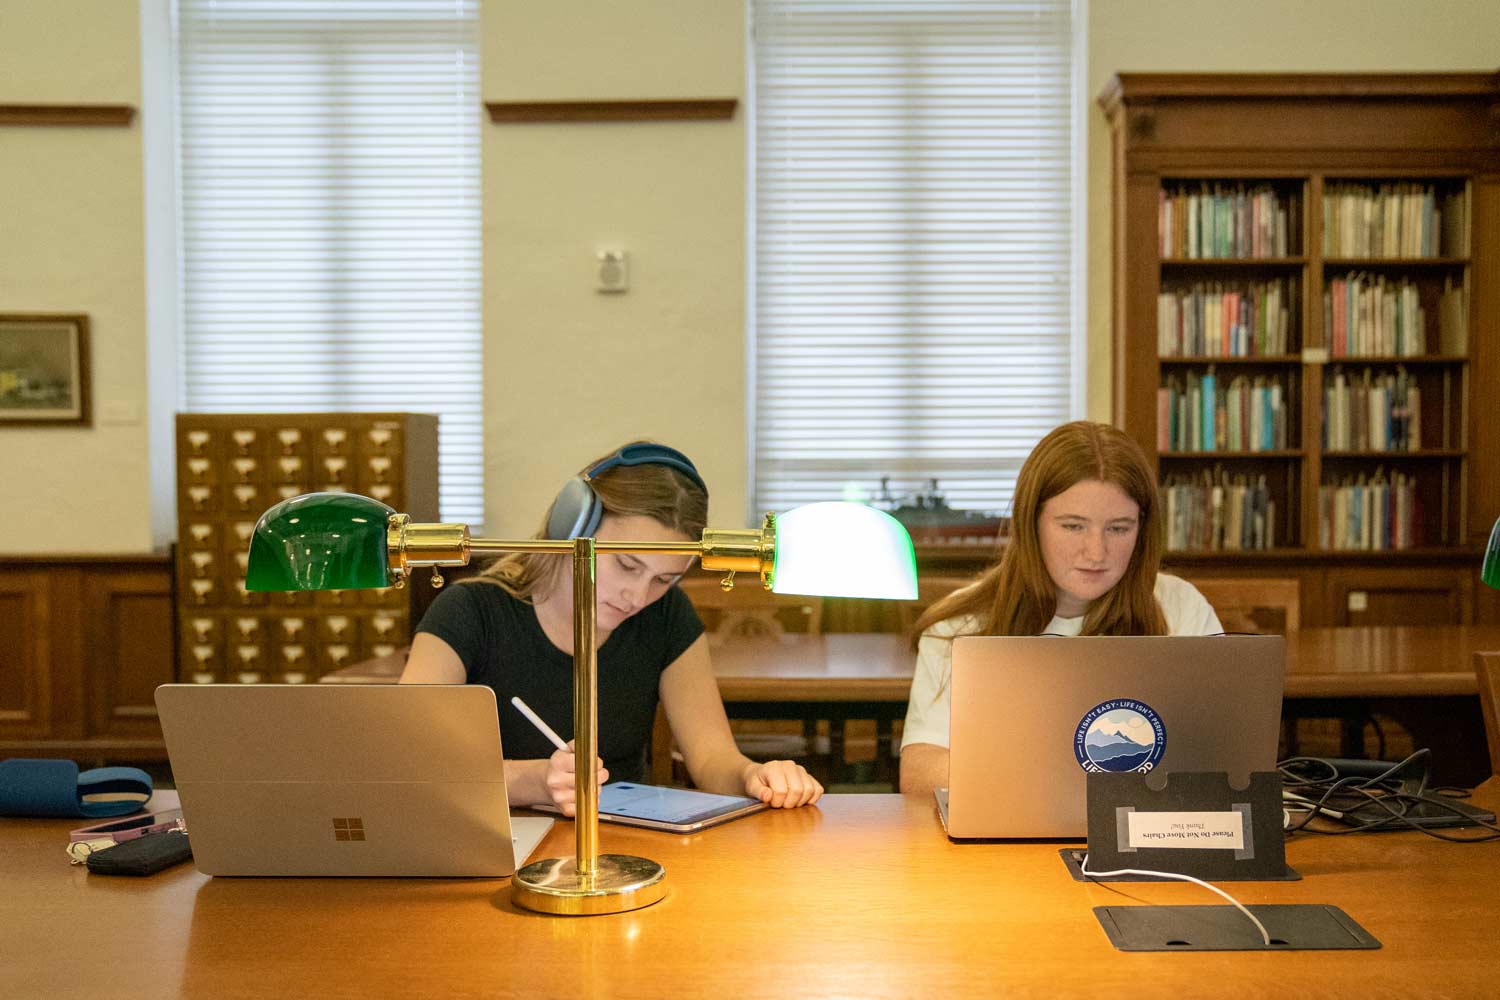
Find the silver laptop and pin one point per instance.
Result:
(378, 779)
(1032, 715)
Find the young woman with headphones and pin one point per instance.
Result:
(511, 628)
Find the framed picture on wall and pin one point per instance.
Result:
(44, 368)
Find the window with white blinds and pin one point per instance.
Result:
(328, 157)
(913, 215)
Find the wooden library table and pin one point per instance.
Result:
(1423, 677)
(861, 896)
(1362, 662)
(1386, 661)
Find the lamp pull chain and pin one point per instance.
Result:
(727, 584)
(437, 579)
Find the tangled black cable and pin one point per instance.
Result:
(1384, 795)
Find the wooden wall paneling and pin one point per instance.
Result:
(1424, 595)
(84, 640)
(128, 619)
(26, 610)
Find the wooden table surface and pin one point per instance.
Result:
(860, 897)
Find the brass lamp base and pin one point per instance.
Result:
(621, 882)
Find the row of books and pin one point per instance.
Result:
(1375, 513)
(1225, 221)
(1370, 412)
(1371, 315)
(1195, 412)
(1216, 320)
(1392, 220)
(1217, 511)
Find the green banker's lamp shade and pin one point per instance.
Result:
(838, 549)
(320, 541)
(1490, 572)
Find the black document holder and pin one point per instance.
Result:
(1112, 796)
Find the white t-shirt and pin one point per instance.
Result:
(1187, 612)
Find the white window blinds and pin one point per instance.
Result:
(913, 220)
(330, 214)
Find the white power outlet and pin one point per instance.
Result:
(613, 272)
(1359, 600)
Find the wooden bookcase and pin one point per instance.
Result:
(1200, 163)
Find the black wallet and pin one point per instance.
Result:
(142, 856)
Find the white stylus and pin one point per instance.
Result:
(536, 720)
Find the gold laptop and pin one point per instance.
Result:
(1032, 715)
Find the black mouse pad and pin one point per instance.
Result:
(1299, 927)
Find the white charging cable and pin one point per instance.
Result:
(1266, 937)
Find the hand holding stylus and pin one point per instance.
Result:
(561, 779)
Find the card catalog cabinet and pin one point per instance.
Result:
(230, 469)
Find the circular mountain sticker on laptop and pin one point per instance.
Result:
(1120, 735)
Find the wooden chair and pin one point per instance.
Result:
(1263, 605)
(749, 610)
(1271, 606)
(1487, 670)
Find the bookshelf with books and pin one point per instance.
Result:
(1306, 324)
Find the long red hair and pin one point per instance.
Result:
(1016, 596)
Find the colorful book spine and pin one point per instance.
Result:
(1371, 513)
(1199, 412)
(1224, 221)
(1393, 221)
(1217, 511)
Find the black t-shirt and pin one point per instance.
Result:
(502, 644)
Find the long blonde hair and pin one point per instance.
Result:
(1017, 595)
(659, 492)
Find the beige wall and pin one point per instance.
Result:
(665, 360)
(72, 240)
(570, 372)
(1266, 36)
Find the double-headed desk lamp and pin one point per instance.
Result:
(342, 541)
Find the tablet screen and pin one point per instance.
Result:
(666, 805)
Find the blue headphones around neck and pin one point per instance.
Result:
(577, 511)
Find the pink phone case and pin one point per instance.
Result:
(123, 828)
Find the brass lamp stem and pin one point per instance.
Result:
(585, 719)
(588, 882)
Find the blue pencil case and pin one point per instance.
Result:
(57, 788)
